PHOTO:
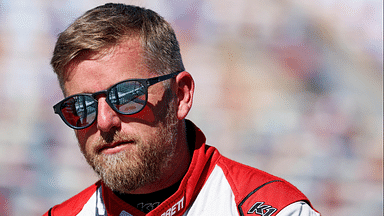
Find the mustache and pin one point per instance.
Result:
(113, 136)
(109, 137)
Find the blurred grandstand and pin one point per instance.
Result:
(291, 87)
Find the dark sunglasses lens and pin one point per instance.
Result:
(79, 111)
(128, 97)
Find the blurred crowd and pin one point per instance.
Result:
(292, 87)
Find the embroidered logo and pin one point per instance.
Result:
(260, 209)
(175, 208)
(146, 208)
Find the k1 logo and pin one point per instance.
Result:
(260, 209)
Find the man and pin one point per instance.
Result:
(127, 96)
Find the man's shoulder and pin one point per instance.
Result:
(73, 205)
(239, 172)
(255, 189)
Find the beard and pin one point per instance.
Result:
(129, 170)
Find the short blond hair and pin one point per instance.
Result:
(109, 24)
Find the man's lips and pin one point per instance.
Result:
(115, 147)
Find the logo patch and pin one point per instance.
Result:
(260, 209)
(146, 208)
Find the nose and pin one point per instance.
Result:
(107, 118)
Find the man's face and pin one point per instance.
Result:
(127, 151)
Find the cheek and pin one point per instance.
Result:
(145, 115)
(83, 136)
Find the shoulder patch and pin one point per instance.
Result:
(260, 209)
(257, 208)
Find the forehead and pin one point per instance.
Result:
(95, 71)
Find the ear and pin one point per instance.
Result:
(185, 88)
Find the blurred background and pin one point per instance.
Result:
(292, 87)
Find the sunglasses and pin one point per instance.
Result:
(127, 97)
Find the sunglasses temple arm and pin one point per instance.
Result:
(155, 80)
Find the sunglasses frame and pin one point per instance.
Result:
(145, 82)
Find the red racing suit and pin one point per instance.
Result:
(213, 185)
